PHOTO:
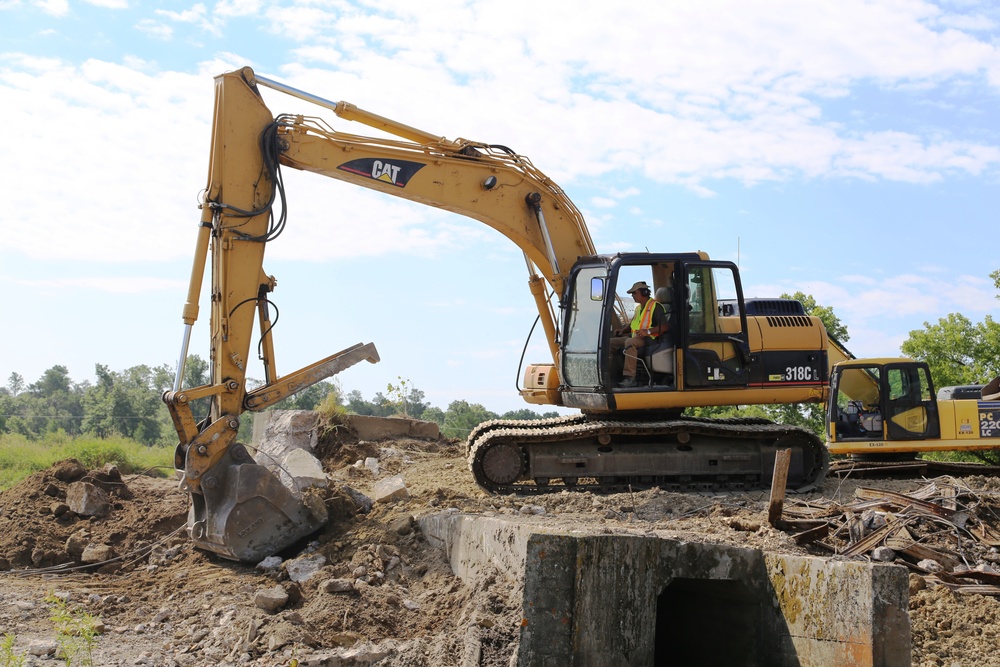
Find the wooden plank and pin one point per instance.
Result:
(904, 501)
(778, 481)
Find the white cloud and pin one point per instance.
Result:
(155, 29)
(196, 14)
(232, 8)
(52, 7)
(108, 4)
(725, 91)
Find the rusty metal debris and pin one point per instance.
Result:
(945, 530)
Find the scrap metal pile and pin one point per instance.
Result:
(947, 530)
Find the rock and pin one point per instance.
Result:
(917, 583)
(404, 525)
(68, 470)
(51, 490)
(271, 599)
(284, 446)
(269, 563)
(305, 469)
(537, 510)
(363, 502)
(86, 499)
(390, 490)
(43, 647)
(372, 464)
(411, 605)
(58, 509)
(337, 586)
(883, 554)
(77, 542)
(929, 565)
(287, 429)
(163, 614)
(304, 568)
(97, 553)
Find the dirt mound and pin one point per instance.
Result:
(377, 592)
(37, 522)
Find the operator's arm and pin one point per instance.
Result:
(659, 323)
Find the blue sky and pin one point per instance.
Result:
(847, 149)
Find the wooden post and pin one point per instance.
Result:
(778, 482)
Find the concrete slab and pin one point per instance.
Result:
(381, 428)
(597, 599)
(298, 427)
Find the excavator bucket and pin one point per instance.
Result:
(245, 513)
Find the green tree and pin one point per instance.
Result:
(310, 397)
(50, 405)
(15, 383)
(957, 350)
(125, 403)
(433, 414)
(834, 327)
(461, 417)
(527, 413)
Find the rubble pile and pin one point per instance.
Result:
(947, 531)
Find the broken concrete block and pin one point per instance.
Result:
(337, 586)
(286, 429)
(86, 499)
(379, 428)
(271, 599)
(305, 469)
(284, 446)
(390, 490)
(304, 568)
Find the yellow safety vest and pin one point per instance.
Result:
(645, 317)
(636, 321)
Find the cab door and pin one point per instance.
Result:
(911, 411)
(714, 338)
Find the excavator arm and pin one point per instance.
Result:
(239, 509)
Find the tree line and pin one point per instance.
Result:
(127, 403)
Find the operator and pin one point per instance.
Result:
(648, 323)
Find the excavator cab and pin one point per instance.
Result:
(707, 343)
(876, 402)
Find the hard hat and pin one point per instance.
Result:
(638, 286)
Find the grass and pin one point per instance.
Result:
(8, 658)
(20, 457)
(76, 632)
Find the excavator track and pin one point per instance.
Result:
(591, 453)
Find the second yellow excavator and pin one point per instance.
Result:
(886, 408)
(720, 349)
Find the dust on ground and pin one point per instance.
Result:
(160, 602)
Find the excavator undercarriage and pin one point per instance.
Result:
(626, 452)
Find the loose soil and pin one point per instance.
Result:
(162, 603)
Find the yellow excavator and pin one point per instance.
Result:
(887, 408)
(720, 349)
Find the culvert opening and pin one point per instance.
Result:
(706, 622)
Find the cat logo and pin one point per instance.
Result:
(396, 172)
